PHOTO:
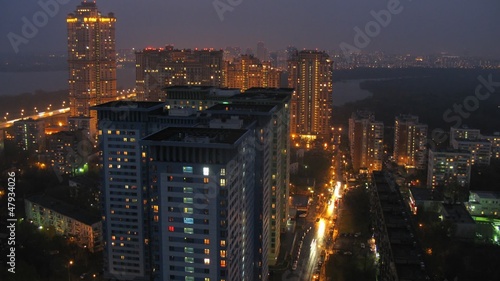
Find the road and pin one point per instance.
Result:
(314, 234)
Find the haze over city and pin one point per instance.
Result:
(458, 27)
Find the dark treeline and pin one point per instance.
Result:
(429, 93)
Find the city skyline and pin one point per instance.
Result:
(423, 27)
(229, 163)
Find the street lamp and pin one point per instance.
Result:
(69, 274)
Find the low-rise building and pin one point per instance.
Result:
(457, 214)
(424, 199)
(484, 203)
(81, 227)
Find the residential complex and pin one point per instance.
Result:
(247, 72)
(179, 160)
(448, 166)
(81, 227)
(366, 137)
(163, 67)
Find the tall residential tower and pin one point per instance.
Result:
(310, 74)
(91, 60)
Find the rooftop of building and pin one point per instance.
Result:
(472, 140)
(241, 108)
(299, 200)
(197, 135)
(457, 213)
(273, 95)
(64, 208)
(189, 87)
(425, 194)
(487, 194)
(407, 117)
(449, 150)
(363, 114)
(129, 105)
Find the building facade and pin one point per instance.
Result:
(366, 141)
(30, 135)
(163, 67)
(310, 74)
(448, 166)
(51, 214)
(91, 60)
(197, 98)
(484, 204)
(410, 140)
(247, 72)
(202, 203)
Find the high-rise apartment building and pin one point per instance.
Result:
(366, 141)
(472, 141)
(448, 166)
(30, 135)
(202, 203)
(125, 191)
(270, 109)
(310, 74)
(205, 197)
(91, 60)
(464, 134)
(410, 140)
(163, 67)
(495, 144)
(247, 72)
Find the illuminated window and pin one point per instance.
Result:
(188, 210)
(171, 228)
(206, 180)
(206, 171)
(222, 182)
(206, 261)
(188, 230)
(188, 190)
(222, 253)
(188, 250)
(188, 200)
(222, 263)
(188, 259)
(189, 269)
(223, 172)
(223, 243)
(188, 220)
(206, 241)
(187, 169)
(207, 251)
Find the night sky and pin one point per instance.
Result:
(460, 27)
